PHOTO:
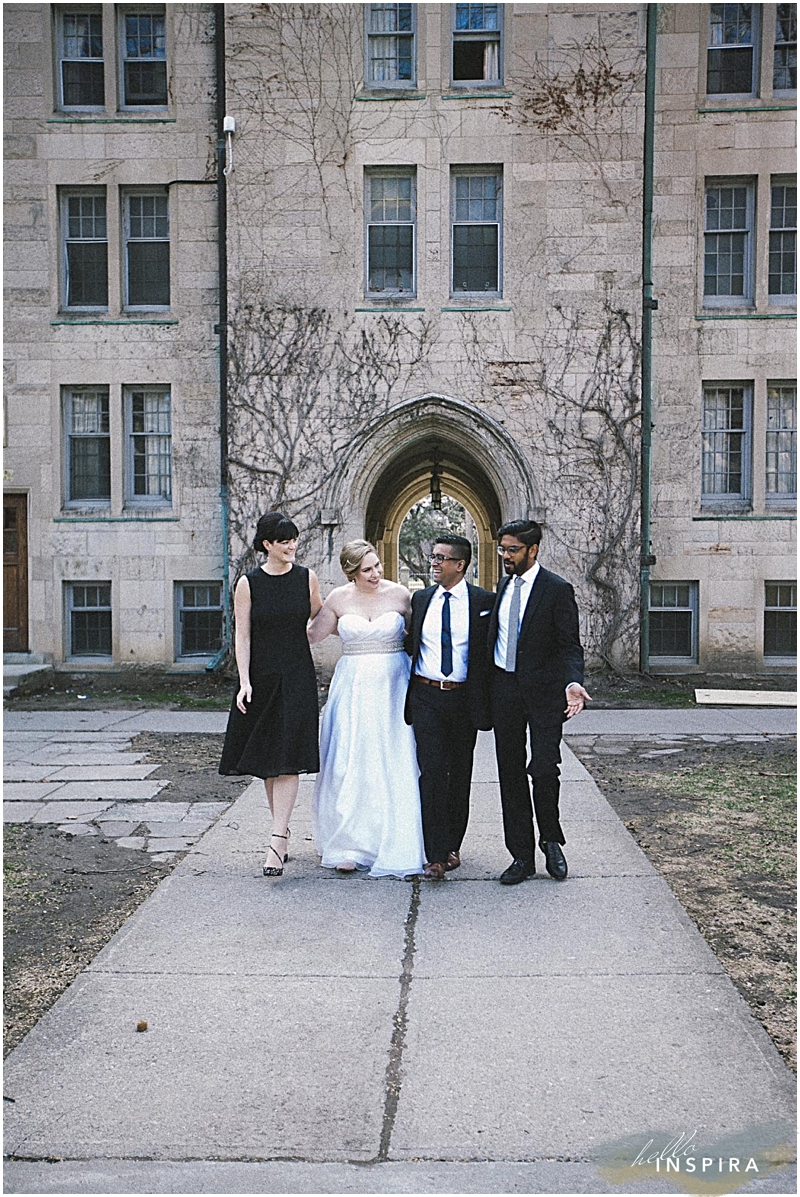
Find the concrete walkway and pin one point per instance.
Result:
(325, 1034)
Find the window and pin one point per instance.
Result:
(781, 440)
(728, 274)
(79, 41)
(784, 69)
(148, 420)
(673, 620)
(88, 619)
(147, 249)
(390, 45)
(144, 58)
(477, 44)
(88, 446)
(477, 208)
(783, 243)
(731, 49)
(199, 611)
(780, 619)
(85, 252)
(391, 217)
(726, 441)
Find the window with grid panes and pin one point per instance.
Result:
(149, 424)
(780, 619)
(784, 69)
(727, 250)
(79, 38)
(476, 231)
(726, 441)
(144, 58)
(147, 249)
(731, 62)
(477, 44)
(391, 45)
(783, 242)
(88, 619)
(85, 249)
(781, 440)
(673, 620)
(88, 445)
(391, 221)
(199, 618)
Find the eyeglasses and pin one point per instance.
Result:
(437, 558)
(512, 548)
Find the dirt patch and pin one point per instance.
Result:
(67, 895)
(718, 822)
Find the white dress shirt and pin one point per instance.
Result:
(503, 611)
(429, 663)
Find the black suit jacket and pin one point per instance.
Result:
(549, 652)
(481, 603)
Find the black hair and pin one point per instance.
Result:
(527, 532)
(274, 526)
(462, 547)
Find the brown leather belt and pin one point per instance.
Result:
(427, 681)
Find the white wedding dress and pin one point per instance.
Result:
(366, 800)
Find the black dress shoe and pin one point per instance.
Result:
(517, 871)
(554, 859)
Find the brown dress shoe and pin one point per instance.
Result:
(453, 861)
(434, 871)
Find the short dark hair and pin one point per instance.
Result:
(274, 526)
(527, 532)
(461, 546)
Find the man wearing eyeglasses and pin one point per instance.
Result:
(536, 682)
(448, 699)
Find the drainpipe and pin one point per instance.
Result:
(649, 305)
(222, 329)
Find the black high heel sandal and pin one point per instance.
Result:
(288, 833)
(270, 870)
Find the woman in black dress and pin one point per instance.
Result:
(273, 724)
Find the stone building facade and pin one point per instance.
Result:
(434, 271)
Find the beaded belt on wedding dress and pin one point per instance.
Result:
(379, 646)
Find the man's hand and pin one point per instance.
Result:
(577, 698)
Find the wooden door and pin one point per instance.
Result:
(15, 573)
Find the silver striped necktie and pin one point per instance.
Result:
(513, 627)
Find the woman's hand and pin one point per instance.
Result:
(245, 695)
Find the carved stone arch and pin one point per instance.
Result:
(387, 469)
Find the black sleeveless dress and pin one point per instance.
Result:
(279, 733)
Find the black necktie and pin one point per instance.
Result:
(447, 639)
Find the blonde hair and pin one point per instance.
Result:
(353, 554)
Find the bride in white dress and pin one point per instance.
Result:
(366, 809)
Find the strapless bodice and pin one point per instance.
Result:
(381, 635)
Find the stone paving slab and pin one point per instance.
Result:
(153, 810)
(115, 773)
(20, 812)
(55, 756)
(215, 1176)
(576, 1062)
(638, 722)
(59, 812)
(116, 791)
(18, 771)
(28, 791)
(211, 1069)
(63, 721)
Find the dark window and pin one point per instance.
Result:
(81, 54)
(85, 250)
(147, 233)
(780, 619)
(477, 222)
(144, 65)
(673, 620)
(731, 41)
(781, 440)
(390, 45)
(149, 421)
(391, 217)
(199, 618)
(477, 34)
(783, 240)
(728, 225)
(726, 444)
(89, 605)
(88, 446)
(784, 71)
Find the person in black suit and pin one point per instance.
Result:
(536, 664)
(447, 700)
